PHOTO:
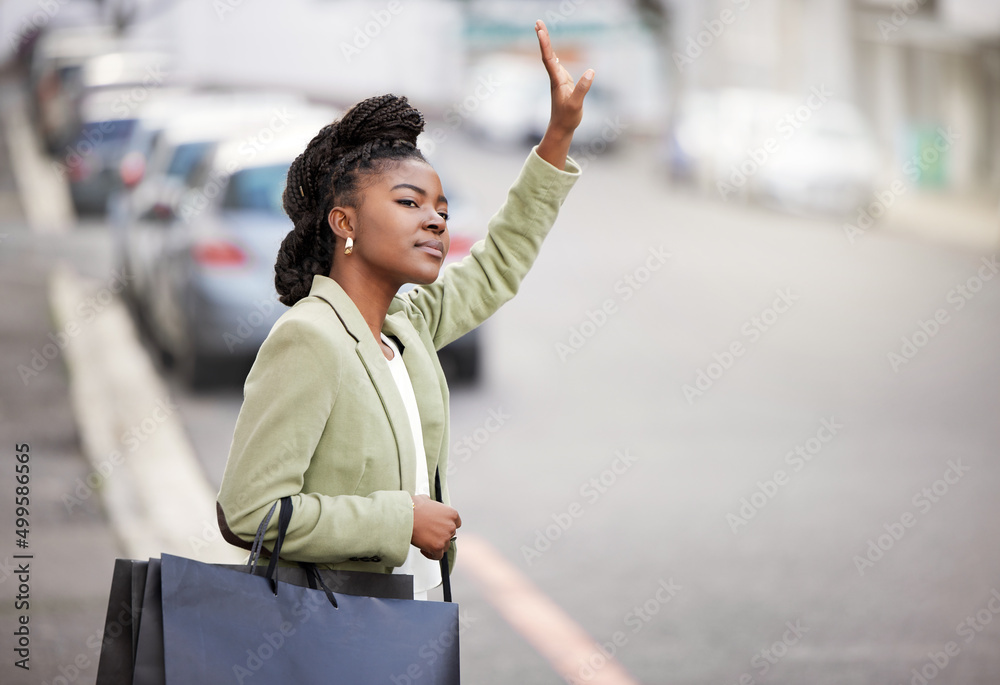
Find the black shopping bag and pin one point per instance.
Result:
(121, 626)
(224, 626)
(221, 625)
(133, 649)
(148, 655)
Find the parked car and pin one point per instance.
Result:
(135, 74)
(171, 139)
(55, 76)
(830, 165)
(102, 109)
(92, 158)
(211, 294)
(773, 148)
(209, 297)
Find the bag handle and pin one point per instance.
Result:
(258, 539)
(285, 518)
(445, 574)
(316, 581)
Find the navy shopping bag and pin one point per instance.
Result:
(227, 626)
(224, 626)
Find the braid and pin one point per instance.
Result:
(328, 174)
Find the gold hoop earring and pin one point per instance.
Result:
(349, 247)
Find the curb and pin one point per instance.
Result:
(157, 497)
(44, 197)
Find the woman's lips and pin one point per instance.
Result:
(432, 247)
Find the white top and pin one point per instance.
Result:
(426, 572)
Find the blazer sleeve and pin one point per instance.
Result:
(470, 291)
(289, 395)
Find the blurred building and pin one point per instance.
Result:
(926, 73)
(922, 65)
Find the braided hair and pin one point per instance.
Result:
(330, 173)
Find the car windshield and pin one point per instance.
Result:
(110, 131)
(257, 188)
(186, 157)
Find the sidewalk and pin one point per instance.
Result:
(72, 544)
(75, 387)
(971, 222)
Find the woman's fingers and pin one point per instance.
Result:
(559, 77)
(582, 88)
(567, 102)
(434, 525)
(557, 74)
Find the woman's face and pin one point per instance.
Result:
(401, 232)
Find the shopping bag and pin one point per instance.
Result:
(148, 657)
(224, 626)
(121, 625)
(221, 625)
(132, 651)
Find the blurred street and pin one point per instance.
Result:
(632, 446)
(740, 426)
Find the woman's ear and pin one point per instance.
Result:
(341, 221)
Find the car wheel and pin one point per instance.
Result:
(198, 370)
(462, 366)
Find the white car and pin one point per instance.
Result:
(773, 148)
(830, 165)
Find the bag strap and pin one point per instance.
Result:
(445, 574)
(258, 540)
(314, 579)
(285, 518)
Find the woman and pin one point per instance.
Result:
(346, 406)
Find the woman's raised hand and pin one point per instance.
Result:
(567, 102)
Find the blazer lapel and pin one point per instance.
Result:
(374, 361)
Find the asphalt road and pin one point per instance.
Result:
(702, 433)
(692, 435)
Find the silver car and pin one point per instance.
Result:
(211, 299)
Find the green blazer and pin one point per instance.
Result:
(322, 419)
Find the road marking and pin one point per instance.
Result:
(535, 616)
(44, 195)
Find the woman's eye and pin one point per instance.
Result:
(407, 203)
(444, 215)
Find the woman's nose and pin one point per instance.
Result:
(435, 223)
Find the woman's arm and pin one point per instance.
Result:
(468, 293)
(290, 394)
